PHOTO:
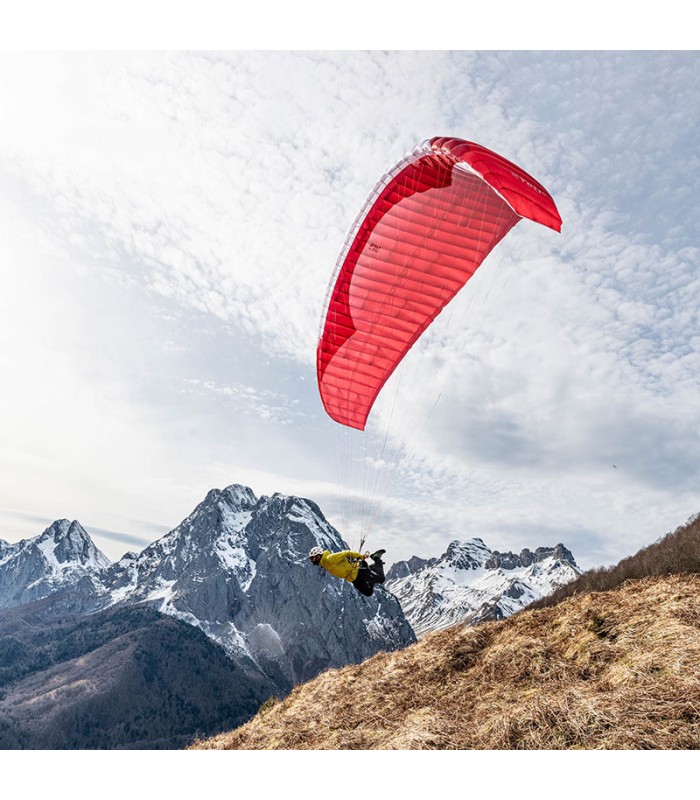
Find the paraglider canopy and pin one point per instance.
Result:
(425, 229)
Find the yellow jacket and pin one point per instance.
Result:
(345, 564)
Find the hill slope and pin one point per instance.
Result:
(123, 678)
(676, 553)
(612, 670)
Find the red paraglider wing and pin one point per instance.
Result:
(425, 229)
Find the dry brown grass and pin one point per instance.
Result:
(611, 670)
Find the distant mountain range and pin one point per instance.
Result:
(469, 583)
(194, 633)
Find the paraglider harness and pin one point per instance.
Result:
(368, 577)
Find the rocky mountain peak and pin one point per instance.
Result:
(59, 558)
(466, 555)
(68, 544)
(233, 498)
(401, 569)
(563, 554)
(237, 496)
(510, 560)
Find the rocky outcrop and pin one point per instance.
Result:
(527, 557)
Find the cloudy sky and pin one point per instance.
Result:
(169, 222)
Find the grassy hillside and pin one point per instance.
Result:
(603, 670)
(676, 553)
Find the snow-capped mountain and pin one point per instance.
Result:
(61, 557)
(237, 568)
(470, 583)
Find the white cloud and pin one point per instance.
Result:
(214, 171)
(169, 224)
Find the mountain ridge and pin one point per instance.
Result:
(469, 583)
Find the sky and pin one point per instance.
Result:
(169, 222)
